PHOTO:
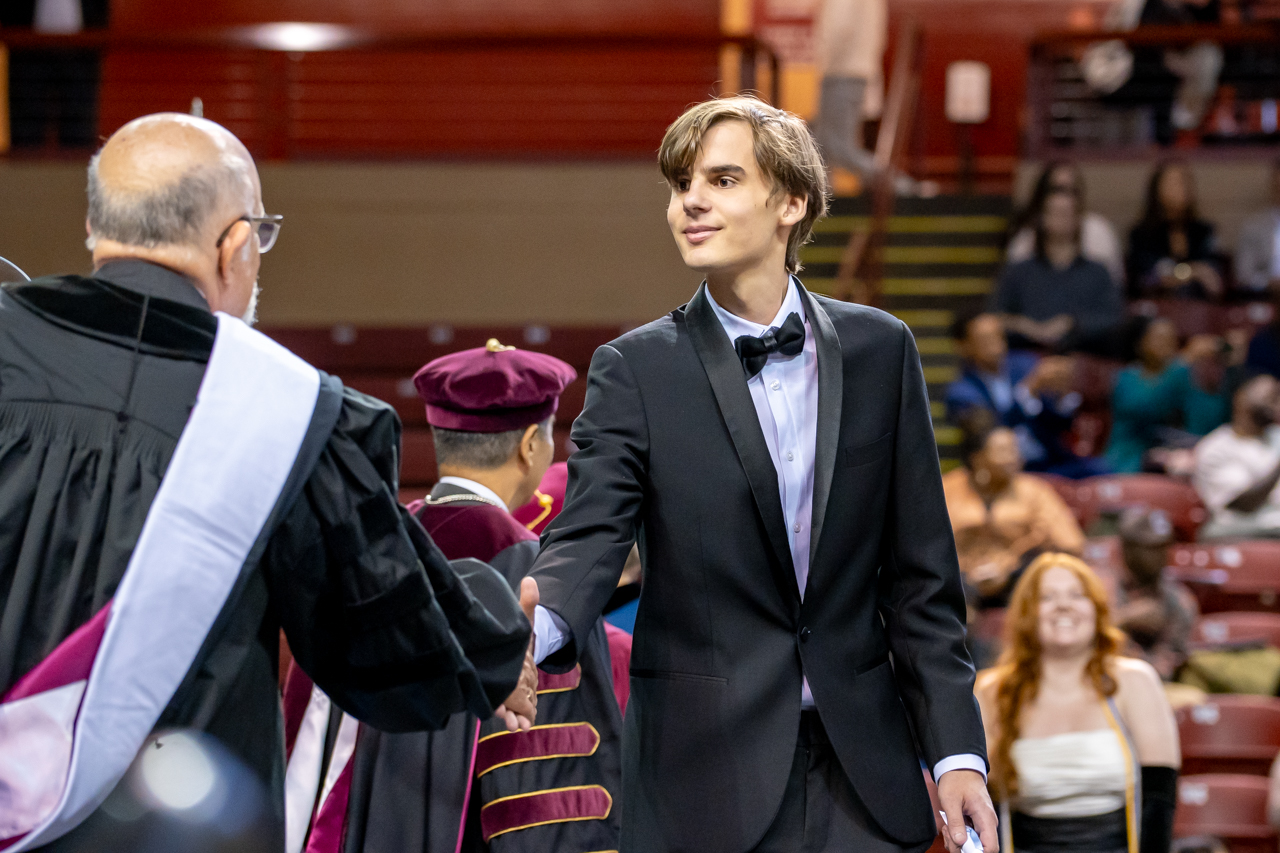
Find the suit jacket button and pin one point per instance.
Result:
(804, 635)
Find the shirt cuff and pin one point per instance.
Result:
(1068, 403)
(550, 633)
(964, 761)
(1029, 403)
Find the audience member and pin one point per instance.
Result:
(1264, 346)
(1258, 247)
(1030, 395)
(1238, 466)
(1161, 400)
(1001, 517)
(1156, 611)
(1059, 300)
(1098, 239)
(1172, 251)
(1076, 734)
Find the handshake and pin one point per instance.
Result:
(521, 708)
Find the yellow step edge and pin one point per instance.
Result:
(918, 318)
(911, 254)
(947, 435)
(940, 374)
(941, 255)
(936, 346)
(938, 409)
(949, 464)
(936, 286)
(917, 224)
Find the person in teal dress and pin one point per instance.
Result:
(1166, 398)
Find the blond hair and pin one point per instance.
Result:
(784, 150)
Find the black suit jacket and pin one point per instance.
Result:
(670, 451)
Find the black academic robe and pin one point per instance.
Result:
(409, 791)
(97, 379)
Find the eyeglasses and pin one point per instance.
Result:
(267, 228)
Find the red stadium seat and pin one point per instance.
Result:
(1238, 629)
(1070, 491)
(1231, 576)
(1230, 806)
(1175, 497)
(1230, 734)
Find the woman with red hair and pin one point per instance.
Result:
(1083, 743)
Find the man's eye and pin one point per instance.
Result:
(682, 186)
(725, 183)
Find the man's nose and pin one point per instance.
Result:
(696, 198)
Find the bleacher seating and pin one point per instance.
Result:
(1091, 498)
(1238, 629)
(1230, 576)
(1231, 806)
(1230, 734)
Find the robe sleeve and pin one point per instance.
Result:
(373, 611)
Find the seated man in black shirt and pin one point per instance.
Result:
(1058, 300)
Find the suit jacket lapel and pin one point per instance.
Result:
(728, 383)
(830, 402)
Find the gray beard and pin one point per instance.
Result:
(250, 315)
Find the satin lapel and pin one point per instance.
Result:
(728, 382)
(830, 402)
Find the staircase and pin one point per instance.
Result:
(940, 259)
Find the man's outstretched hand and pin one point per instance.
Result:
(521, 708)
(964, 793)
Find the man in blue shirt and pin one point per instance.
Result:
(1030, 395)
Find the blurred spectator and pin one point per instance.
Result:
(1258, 247)
(1238, 466)
(1172, 251)
(1273, 795)
(1098, 239)
(1059, 300)
(1030, 395)
(1001, 517)
(1156, 611)
(1077, 735)
(1264, 347)
(1175, 84)
(1161, 401)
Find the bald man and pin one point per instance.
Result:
(175, 488)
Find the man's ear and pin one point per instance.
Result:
(529, 444)
(233, 254)
(794, 208)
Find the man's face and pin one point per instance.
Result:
(1145, 562)
(1258, 399)
(984, 346)
(725, 215)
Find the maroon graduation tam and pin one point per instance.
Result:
(493, 388)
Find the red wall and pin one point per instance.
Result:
(997, 32)
(434, 16)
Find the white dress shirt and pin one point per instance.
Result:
(785, 394)
(475, 488)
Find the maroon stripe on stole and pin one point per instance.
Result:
(329, 825)
(550, 682)
(587, 802)
(536, 744)
(70, 661)
(293, 701)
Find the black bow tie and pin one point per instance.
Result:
(787, 339)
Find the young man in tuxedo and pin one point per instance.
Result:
(799, 645)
